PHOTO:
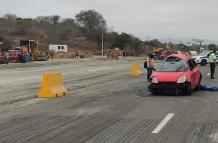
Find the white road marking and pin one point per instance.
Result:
(163, 123)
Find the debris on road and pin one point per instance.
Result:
(208, 88)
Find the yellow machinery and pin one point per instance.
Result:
(157, 51)
(31, 46)
(116, 53)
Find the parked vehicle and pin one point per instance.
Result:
(14, 56)
(32, 51)
(178, 74)
(202, 58)
(3, 59)
(193, 53)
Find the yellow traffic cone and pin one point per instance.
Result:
(135, 71)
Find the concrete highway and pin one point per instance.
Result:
(105, 105)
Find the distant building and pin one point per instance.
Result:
(58, 48)
(189, 44)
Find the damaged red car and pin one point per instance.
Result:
(177, 74)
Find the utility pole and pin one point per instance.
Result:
(102, 43)
(147, 38)
(168, 47)
(147, 44)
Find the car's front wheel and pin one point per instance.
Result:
(188, 89)
(152, 90)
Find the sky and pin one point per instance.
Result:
(169, 20)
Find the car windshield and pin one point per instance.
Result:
(172, 64)
(205, 53)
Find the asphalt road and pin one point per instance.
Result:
(104, 104)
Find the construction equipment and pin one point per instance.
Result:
(158, 53)
(32, 49)
(116, 53)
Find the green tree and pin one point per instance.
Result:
(182, 47)
(122, 40)
(22, 25)
(129, 43)
(212, 47)
(91, 20)
(55, 19)
(156, 43)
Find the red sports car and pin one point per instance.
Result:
(177, 73)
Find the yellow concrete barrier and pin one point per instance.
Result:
(52, 86)
(135, 70)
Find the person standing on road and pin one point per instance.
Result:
(77, 55)
(212, 60)
(150, 66)
(51, 55)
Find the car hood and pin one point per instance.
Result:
(168, 76)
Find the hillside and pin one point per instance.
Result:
(83, 33)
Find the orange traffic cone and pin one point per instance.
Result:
(135, 71)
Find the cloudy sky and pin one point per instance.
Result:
(163, 19)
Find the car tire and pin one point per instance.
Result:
(177, 92)
(154, 92)
(203, 62)
(188, 90)
(199, 83)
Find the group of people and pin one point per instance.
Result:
(25, 57)
(212, 61)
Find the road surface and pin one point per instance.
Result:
(104, 105)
